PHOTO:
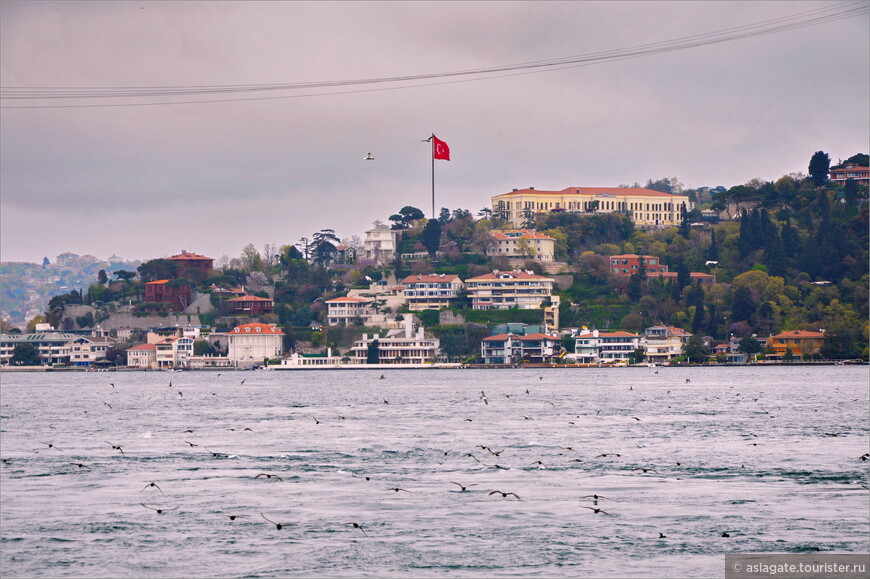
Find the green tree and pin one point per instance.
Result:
(24, 354)
(431, 237)
(322, 249)
(156, 269)
(405, 216)
(695, 349)
(820, 165)
(750, 346)
(102, 278)
(203, 348)
(372, 356)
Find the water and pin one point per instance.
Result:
(746, 451)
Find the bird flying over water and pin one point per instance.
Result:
(464, 488)
(504, 495)
(597, 510)
(159, 511)
(151, 484)
(268, 476)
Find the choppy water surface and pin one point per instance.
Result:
(768, 455)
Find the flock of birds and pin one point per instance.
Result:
(490, 459)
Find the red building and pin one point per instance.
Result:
(251, 305)
(629, 263)
(186, 260)
(162, 292)
(861, 175)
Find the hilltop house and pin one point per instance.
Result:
(645, 207)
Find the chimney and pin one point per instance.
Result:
(531, 188)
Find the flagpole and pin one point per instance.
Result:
(432, 139)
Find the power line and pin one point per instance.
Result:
(815, 17)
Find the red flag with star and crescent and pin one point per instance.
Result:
(440, 150)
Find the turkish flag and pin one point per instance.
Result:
(440, 149)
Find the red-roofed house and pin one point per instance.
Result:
(800, 343)
(431, 292)
(523, 244)
(252, 344)
(142, 356)
(186, 260)
(861, 175)
(346, 311)
(502, 290)
(644, 206)
(163, 292)
(251, 305)
(173, 352)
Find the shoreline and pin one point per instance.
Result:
(383, 367)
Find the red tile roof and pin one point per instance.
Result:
(432, 278)
(526, 234)
(596, 191)
(513, 274)
(249, 299)
(143, 347)
(187, 255)
(158, 281)
(256, 327)
(799, 334)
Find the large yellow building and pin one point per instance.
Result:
(645, 206)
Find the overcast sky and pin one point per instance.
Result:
(149, 180)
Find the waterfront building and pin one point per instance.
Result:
(52, 347)
(663, 343)
(253, 344)
(605, 347)
(403, 346)
(645, 207)
(85, 350)
(799, 342)
(142, 356)
(514, 348)
(173, 352)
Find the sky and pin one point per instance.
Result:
(211, 171)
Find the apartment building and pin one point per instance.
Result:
(502, 290)
(431, 292)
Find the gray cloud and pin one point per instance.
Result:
(147, 181)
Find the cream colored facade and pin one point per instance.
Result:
(345, 310)
(524, 244)
(645, 206)
(502, 290)
(251, 344)
(431, 292)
